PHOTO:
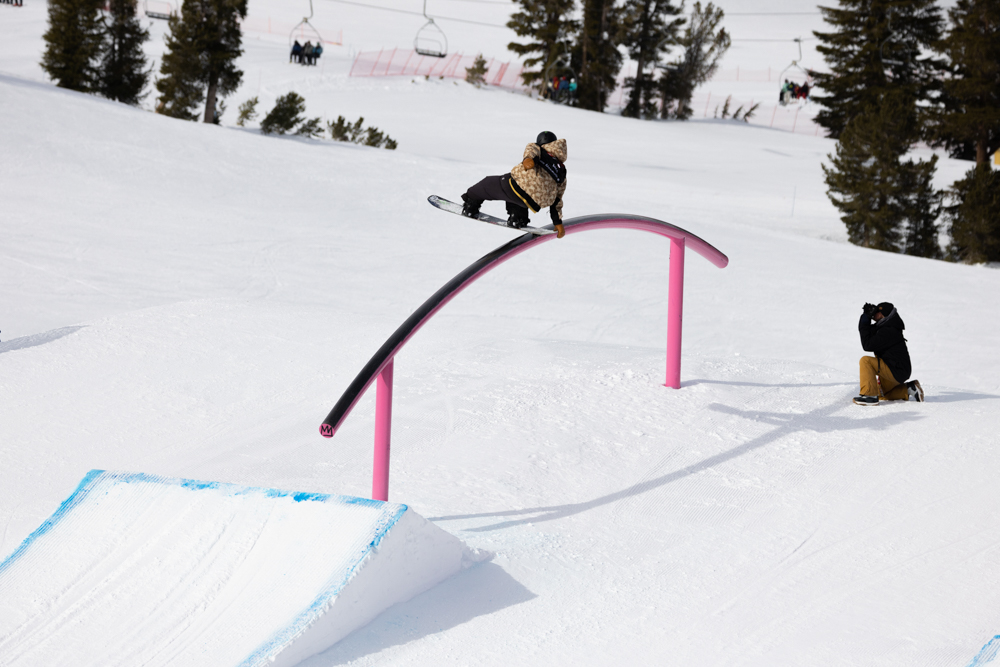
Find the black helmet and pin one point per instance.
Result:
(545, 137)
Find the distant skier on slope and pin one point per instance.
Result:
(539, 180)
(891, 363)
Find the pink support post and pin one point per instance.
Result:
(675, 313)
(383, 426)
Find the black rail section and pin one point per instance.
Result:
(484, 264)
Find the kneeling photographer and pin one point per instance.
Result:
(886, 373)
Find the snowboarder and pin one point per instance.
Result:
(887, 372)
(539, 180)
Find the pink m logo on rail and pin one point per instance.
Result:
(380, 366)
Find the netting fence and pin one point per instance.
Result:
(795, 117)
(407, 62)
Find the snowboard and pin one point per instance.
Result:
(452, 207)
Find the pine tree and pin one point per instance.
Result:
(886, 203)
(180, 87)
(247, 111)
(971, 100)
(875, 46)
(476, 75)
(974, 216)
(549, 26)
(122, 74)
(73, 44)
(595, 53)
(921, 208)
(286, 114)
(647, 31)
(200, 62)
(704, 42)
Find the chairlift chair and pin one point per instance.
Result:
(908, 53)
(159, 9)
(795, 69)
(560, 67)
(303, 26)
(430, 39)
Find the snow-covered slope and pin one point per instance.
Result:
(179, 572)
(189, 301)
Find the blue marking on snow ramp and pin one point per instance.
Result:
(141, 569)
(76, 497)
(94, 476)
(987, 653)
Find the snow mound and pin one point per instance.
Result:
(173, 571)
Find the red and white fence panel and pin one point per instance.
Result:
(407, 62)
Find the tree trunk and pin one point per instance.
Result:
(981, 156)
(210, 101)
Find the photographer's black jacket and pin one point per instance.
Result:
(885, 339)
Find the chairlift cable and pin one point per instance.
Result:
(412, 13)
(752, 39)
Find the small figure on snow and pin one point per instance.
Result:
(296, 55)
(539, 180)
(886, 373)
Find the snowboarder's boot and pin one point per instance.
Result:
(470, 208)
(915, 391)
(866, 400)
(517, 216)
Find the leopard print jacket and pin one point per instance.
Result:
(534, 186)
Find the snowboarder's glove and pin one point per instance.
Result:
(560, 230)
(528, 163)
(870, 309)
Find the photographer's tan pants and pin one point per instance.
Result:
(891, 389)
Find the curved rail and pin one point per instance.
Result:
(385, 354)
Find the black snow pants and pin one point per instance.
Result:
(495, 188)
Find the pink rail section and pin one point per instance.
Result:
(380, 367)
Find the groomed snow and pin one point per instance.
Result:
(190, 301)
(178, 572)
